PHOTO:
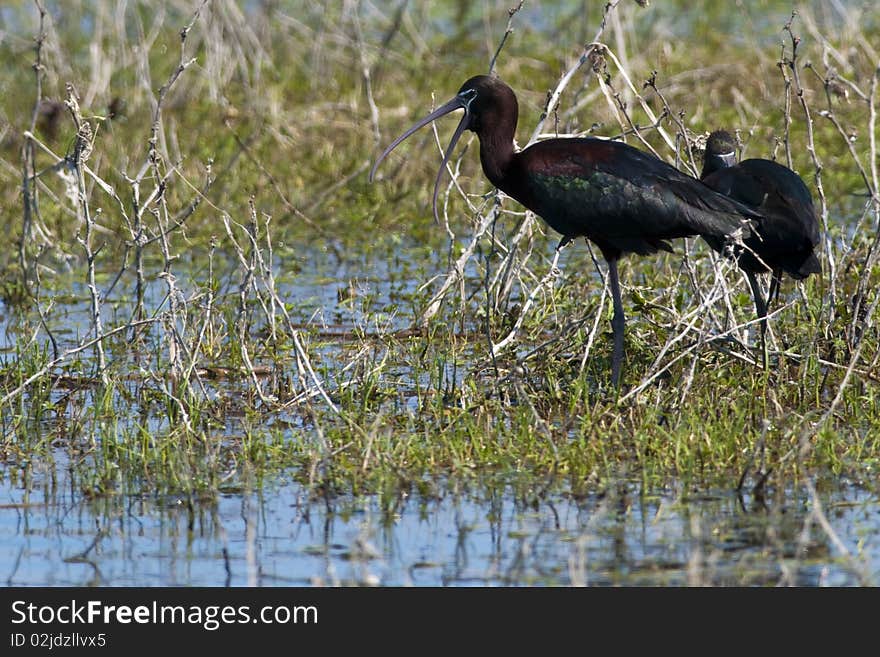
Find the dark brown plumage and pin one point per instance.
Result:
(619, 197)
(786, 232)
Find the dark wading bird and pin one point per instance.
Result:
(787, 232)
(620, 198)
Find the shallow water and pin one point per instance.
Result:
(278, 537)
(52, 534)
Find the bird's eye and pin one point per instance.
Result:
(468, 94)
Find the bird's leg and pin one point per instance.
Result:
(761, 309)
(618, 321)
(775, 284)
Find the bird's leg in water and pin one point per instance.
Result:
(761, 309)
(618, 321)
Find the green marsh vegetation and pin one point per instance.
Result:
(182, 184)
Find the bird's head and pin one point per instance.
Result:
(483, 98)
(720, 152)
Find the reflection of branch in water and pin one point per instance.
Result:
(15, 567)
(460, 558)
(227, 567)
(83, 557)
(516, 572)
(818, 516)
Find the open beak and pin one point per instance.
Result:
(459, 102)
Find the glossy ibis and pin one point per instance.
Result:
(619, 197)
(786, 233)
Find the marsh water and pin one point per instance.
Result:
(278, 536)
(498, 529)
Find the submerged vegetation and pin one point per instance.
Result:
(202, 291)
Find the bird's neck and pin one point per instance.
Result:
(716, 161)
(497, 151)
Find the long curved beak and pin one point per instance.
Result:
(456, 103)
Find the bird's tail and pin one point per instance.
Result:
(809, 266)
(715, 216)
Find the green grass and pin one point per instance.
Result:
(179, 410)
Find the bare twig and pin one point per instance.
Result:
(29, 198)
(507, 32)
